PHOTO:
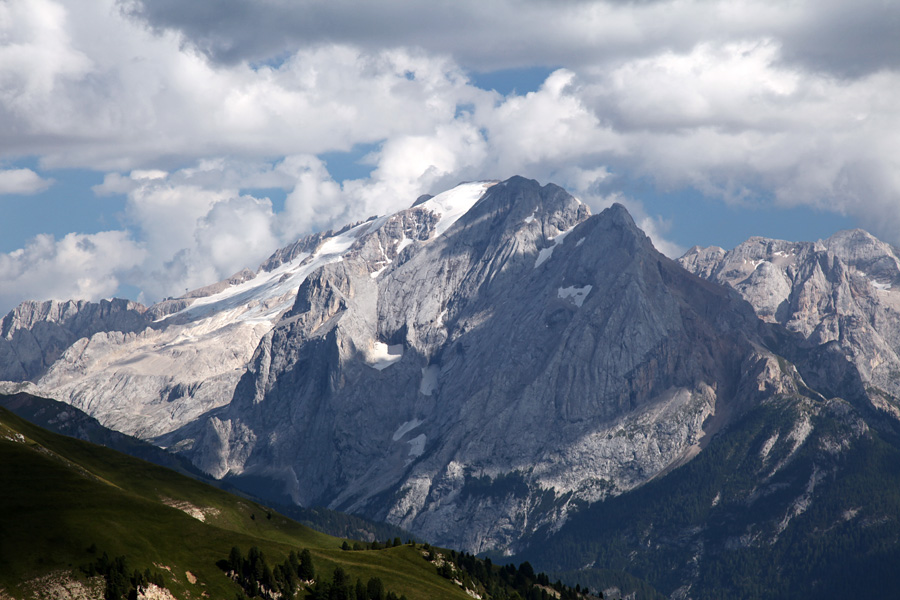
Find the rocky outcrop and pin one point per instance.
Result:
(840, 291)
(35, 334)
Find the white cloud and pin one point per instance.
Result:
(235, 233)
(108, 93)
(36, 53)
(408, 166)
(737, 100)
(75, 267)
(734, 122)
(546, 129)
(22, 181)
(195, 224)
(315, 201)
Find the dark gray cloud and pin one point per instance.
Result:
(238, 30)
(848, 39)
(842, 38)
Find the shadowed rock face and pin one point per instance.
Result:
(844, 290)
(475, 386)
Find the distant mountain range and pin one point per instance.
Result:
(497, 370)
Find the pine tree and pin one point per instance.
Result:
(375, 589)
(235, 560)
(340, 585)
(306, 572)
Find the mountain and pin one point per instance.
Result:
(497, 370)
(796, 499)
(35, 334)
(490, 379)
(474, 368)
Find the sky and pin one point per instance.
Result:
(153, 146)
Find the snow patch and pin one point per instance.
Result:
(417, 445)
(381, 356)
(405, 428)
(576, 294)
(336, 246)
(530, 217)
(429, 380)
(753, 263)
(878, 285)
(403, 244)
(543, 256)
(545, 253)
(453, 204)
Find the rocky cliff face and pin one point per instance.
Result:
(35, 334)
(475, 381)
(840, 291)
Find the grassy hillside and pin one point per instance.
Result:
(64, 502)
(68, 420)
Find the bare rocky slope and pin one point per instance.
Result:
(843, 291)
(475, 368)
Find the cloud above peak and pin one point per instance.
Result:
(204, 115)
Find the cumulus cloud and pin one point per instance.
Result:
(734, 122)
(90, 88)
(196, 226)
(22, 181)
(77, 266)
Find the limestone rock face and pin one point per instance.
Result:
(474, 382)
(842, 290)
(35, 334)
